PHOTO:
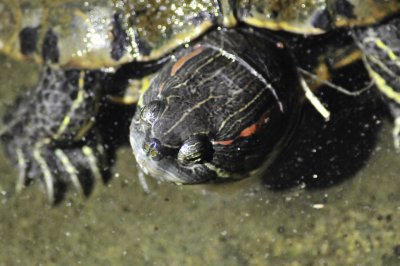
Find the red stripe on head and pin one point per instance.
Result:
(179, 64)
(223, 142)
(248, 131)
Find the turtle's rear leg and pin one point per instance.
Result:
(50, 132)
(381, 54)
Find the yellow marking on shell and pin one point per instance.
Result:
(71, 170)
(383, 86)
(179, 39)
(280, 25)
(367, 20)
(88, 152)
(48, 178)
(228, 17)
(76, 103)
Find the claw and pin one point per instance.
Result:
(88, 152)
(71, 170)
(48, 178)
(21, 171)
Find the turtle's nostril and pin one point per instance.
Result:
(152, 149)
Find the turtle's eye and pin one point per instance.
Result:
(196, 149)
(150, 112)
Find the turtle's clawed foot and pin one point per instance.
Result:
(58, 169)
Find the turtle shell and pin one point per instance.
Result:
(104, 33)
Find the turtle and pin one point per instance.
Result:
(53, 134)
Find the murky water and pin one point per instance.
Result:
(355, 222)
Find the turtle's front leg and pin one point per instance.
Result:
(50, 132)
(380, 46)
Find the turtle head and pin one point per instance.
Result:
(210, 115)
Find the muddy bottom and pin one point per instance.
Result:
(354, 222)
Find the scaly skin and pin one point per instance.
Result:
(48, 133)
